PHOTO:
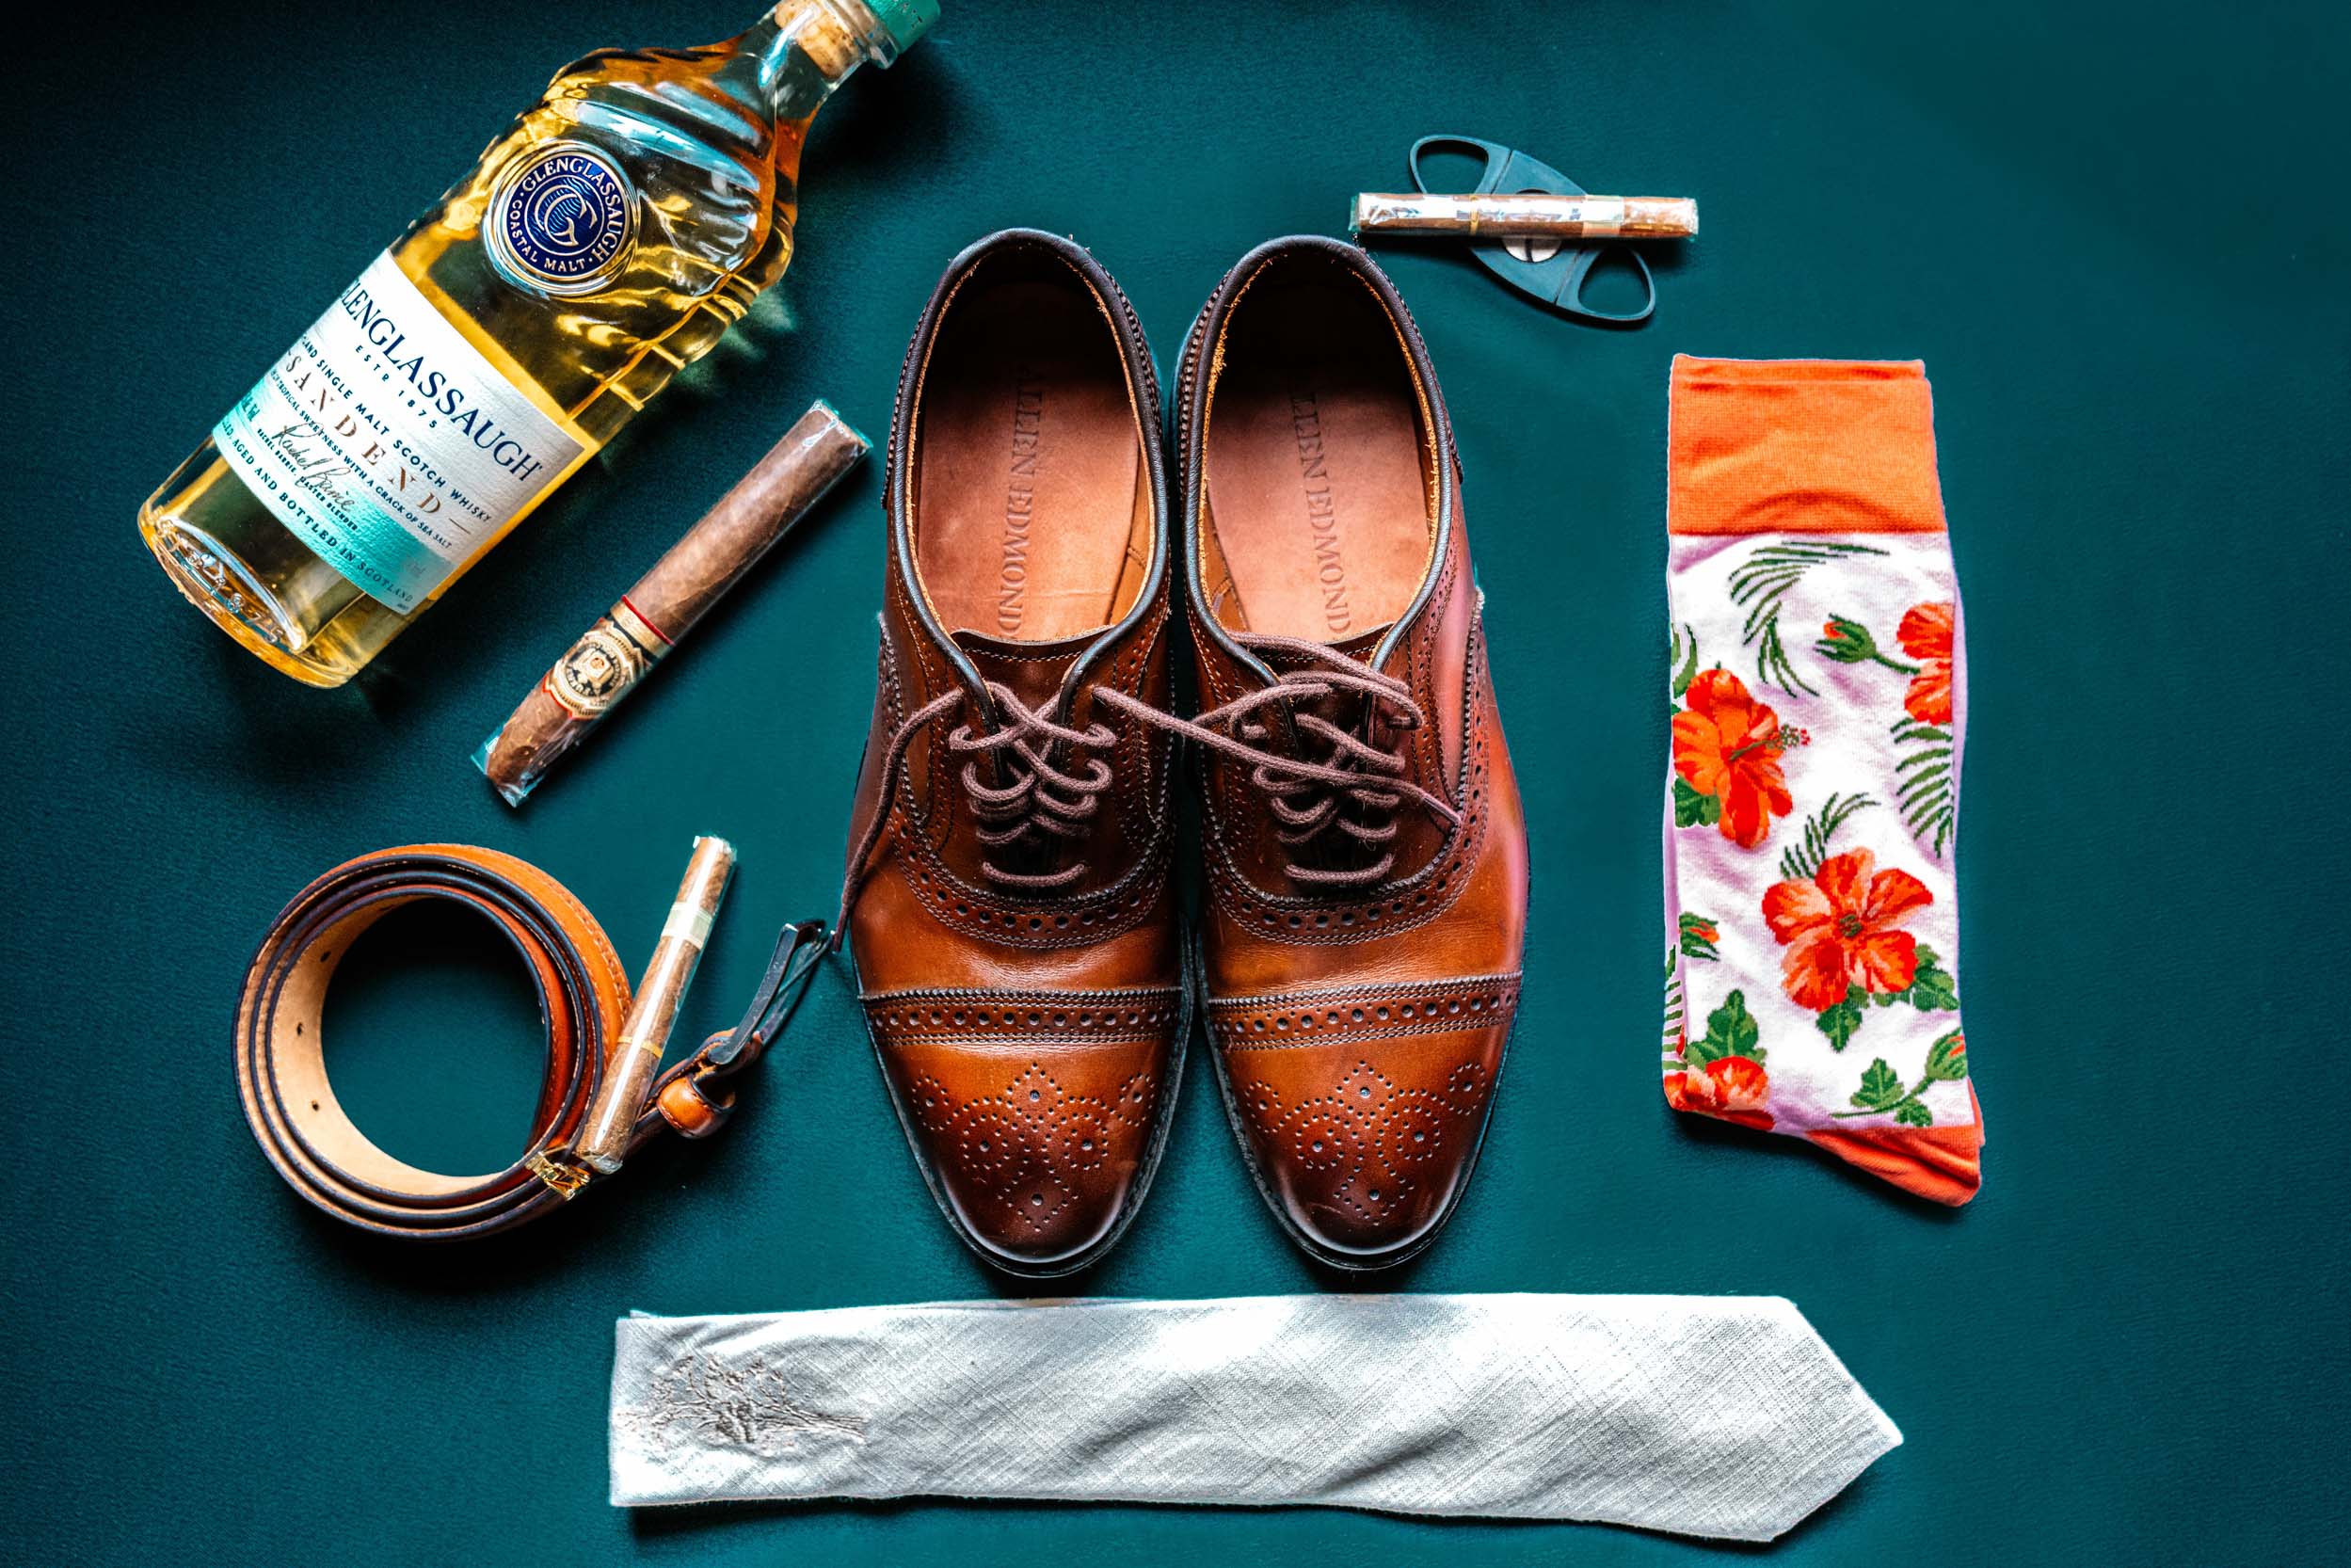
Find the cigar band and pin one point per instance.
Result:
(595, 671)
(651, 638)
(688, 924)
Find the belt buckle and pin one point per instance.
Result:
(564, 1179)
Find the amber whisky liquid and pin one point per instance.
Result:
(607, 240)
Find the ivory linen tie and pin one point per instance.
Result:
(1706, 1416)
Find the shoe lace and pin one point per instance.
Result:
(1043, 802)
(1306, 795)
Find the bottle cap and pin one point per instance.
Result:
(905, 21)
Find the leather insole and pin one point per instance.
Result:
(1031, 518)
(1317, 492)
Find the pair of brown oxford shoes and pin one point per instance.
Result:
(1013, 911)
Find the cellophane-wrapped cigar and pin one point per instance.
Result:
(653, 617)
(1531, 215)
(636, 1056)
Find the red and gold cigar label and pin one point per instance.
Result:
(610, 657)
(653, 617)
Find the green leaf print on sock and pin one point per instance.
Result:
(1802, 860)
(1693, 810)
(1672, 1005)
(1699, 936)
(1847, 641)
(1881, 1089)
(1946, 1059)
(1932, 988)
(1731, 1031)
(1761, 583)
(1696, 939)
(1923, 787)
(1682, 658)
(1842, 1021)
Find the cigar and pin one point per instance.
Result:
(1530, 216)
(653, 617)
(636, 1056)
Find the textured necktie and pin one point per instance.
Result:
(1708, 1415)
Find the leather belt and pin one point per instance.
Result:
(583, 993)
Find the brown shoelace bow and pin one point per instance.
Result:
(1306, 794)
(1046, 802)
(1043, 802)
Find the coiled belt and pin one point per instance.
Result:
(582, 994)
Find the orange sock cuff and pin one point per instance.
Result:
(1802, 446)
(1942, 1164)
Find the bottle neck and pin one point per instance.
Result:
(807, 48)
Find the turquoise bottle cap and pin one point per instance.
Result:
(905, 21)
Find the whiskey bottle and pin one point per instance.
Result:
(607, 240)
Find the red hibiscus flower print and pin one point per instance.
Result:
(1733, 1088)
(1726, 747)
(1925, 636)
(1839, 929)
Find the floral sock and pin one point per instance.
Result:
(1819, 693)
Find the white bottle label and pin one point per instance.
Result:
(387, 443)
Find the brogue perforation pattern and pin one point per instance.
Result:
(1373, 1013)
(1074, 1017)
(1377, 1140)
(1020, 1153)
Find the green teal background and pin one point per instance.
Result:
(2107, 229)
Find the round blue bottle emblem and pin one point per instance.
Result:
(562, 219)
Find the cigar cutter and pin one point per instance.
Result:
(1552, 270)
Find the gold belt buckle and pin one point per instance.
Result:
(565, 1177)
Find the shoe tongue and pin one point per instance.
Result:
(1032, 671)
(1359, 647)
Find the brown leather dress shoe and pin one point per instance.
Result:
(1009, 905)
(1366, 853)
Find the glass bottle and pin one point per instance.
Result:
(607, 240)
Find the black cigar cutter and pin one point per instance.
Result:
(1551, 270)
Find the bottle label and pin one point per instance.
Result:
(389, 445)
(562, 220)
